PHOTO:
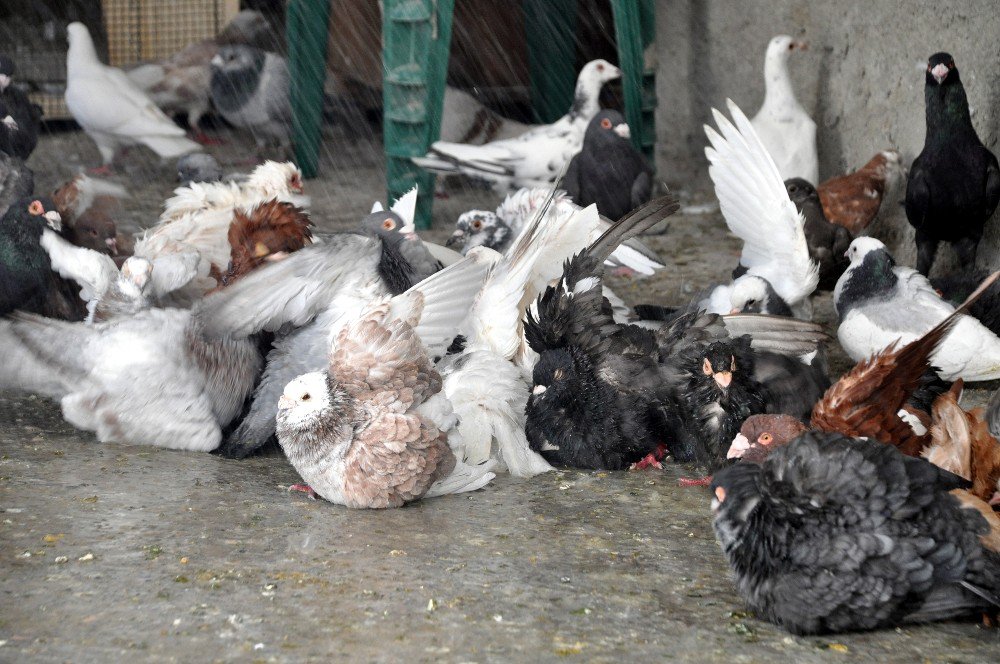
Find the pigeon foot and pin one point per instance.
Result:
(695, 481)
(651, 460)
(304, 488)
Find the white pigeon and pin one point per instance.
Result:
(880, 303)
(196, 221)
(111, 108)
(537, 156)
(498, 230)
(782, 125)
(756, 207)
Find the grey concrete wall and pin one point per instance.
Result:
(862, 80)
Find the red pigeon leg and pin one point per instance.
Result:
(651, 460)
(304, 488)
(695, 481)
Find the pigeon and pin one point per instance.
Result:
(396, 227)
(197, 219)
(954, 183)
(24, 264)
(956, 287)
(913, 554)
(854, 200)
(751, 294)
(536, 157)
(306, 298)
(827, 242)
(358, 432)
(180, 83)
(879, 303)
(19, 118)
(198, 167)
(265, 233)
(756, 207)
(250, 89)
(16, 181)
(86, 206)
(466, 120)
(111, 108)
(783, 126)
(608, 170)
(497, 230)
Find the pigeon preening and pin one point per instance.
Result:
(19, 118)
(880, 303)
(111, 108)
(536, 157)
(756, 207)
(834, 534)
(954, 183)
(827, 242)
(782, 125)
(250, 89)
(608, 171)
(360, 432)
(854, 200)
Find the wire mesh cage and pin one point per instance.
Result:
(151, 29)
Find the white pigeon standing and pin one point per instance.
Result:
(111, 108)
(880, 303)
(783, 126)
(536, 157)
(756, 207)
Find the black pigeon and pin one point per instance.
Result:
(789, 385)
(594, 403)
(833, 534)
(827, 241)
(608, 170)
(25, 270)
(954, 183)
(958, 286)
(19, 118)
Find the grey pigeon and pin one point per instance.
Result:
(389, 226)
(19, 118)
(609, 171)
(954, 183)
(833, 534)
(198, 167)
(250, 89)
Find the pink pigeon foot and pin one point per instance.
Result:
(696, 481)
(304, 488)
(651, 460)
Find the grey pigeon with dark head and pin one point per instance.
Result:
(833, 534)
(609, 171)
(250, 88)
(954, 183)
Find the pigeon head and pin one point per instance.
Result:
(387, 225)
(198, 167)
(600, 71)
(862, 246)
(607, 127)
(6, 72)
(941, 70)
(306, 401)
(870, 274)
(800, 190)
(719, 363)
(479, 228)
(762, 434)
(750, 295)
(276, 179)
(736, 496)
(236, 72)
(94, 229)
(39, 210)
(592, 78)
(780, 47)
(136, 275)
(81, 46)
(553, 374)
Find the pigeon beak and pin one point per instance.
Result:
(614, 72)
(276, 256)
(54, 220)
(4, 81)
(538, 389)
(995, 500)
(801, 45)
(740, 445)
(284, 402)
(940, 72)
(112, 244)
(217, 61)
(260, 250)
(10, 123)
(735, 310)
(455, 238)
(623, 130)
(413, 237)
(723, 378)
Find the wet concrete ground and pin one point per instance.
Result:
(110, 552)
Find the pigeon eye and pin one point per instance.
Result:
(720, 494)
(951, 64)
(93, 232)
(751, 302)
(306, 397)
(765, 438)
(606, 123)
(600, 67)
(388, 224)
(36, 208)
(791, 46)
(477, 225)
(706, 367)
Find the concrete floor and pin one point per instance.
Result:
(110, 552)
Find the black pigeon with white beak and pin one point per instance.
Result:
(954, 183)
(609, 171)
